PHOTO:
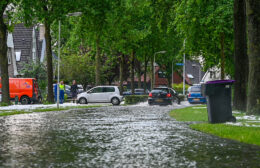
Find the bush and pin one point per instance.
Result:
(182, 97)
(134, 99)
(179, 87)
(3, 104)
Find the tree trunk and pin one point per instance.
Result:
(132, 73)
(121, 73)
(97, 61)
(241, 59)
(49, 62)
(139, 73)
(152, 74)
(222, 61)
(145, 73)
(3, 58)
(253, 19)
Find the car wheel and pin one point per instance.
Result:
(25, 100)
(115, 101)
(83, 101)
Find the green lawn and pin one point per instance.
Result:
(245, 134)
(198, 113)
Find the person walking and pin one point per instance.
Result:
(74, 91)
(62, 90)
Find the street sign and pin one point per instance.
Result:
(179, 64)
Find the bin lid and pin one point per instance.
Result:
(220, 81)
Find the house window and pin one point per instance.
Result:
(212, 75)
(18, 55)
(161, 74)
(9, 56)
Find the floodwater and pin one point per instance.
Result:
(123, 136)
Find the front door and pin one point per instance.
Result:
(96, 95)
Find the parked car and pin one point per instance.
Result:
(137, 92)
(101, 94)
(174, 94)
(195, 96)
(159, 97)
(26, 89)
(80, 89)
(67, 91)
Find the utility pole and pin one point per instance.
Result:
(172, 74)
(184, 68)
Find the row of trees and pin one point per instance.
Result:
(112, 40)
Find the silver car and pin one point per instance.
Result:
(101, 94)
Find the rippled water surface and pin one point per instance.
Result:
(132, 136)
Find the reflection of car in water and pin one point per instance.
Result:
(194, 95)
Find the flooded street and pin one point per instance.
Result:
(123, 136)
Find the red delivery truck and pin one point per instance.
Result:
(26, 89)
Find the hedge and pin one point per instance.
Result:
(134, 99)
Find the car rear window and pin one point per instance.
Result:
(163, 89)
(195, 89)
(158, 91)
(109, 89)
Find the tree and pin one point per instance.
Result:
(46, 12)
(240, 54)
(253, 21)
(208, 28)
(3, 54)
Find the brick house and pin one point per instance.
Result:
(24, 47)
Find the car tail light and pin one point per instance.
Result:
(189, 95)
(169, 95)
(150, 95)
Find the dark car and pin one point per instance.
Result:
(195, 96)
(174, 94)
(159, 97)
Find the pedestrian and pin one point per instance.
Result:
(62, 90)
(74, 91)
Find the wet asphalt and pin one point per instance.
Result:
(115, 136)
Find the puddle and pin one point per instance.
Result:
(122, 136)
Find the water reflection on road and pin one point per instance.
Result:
(126, 136)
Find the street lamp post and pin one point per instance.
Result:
(58, 76)
(172, 74)
(184, 67)
(159, 52)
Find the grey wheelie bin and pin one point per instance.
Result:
(218, 95)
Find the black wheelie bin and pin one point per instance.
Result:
(218, 96)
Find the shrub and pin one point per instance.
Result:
(3, 104)
(182, 97)
(134, 99)
(179, 87)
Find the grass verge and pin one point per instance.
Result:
(15, 112)
(242, 133)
